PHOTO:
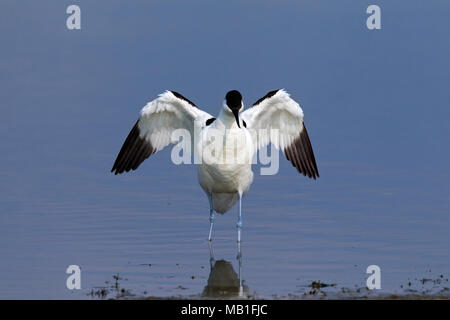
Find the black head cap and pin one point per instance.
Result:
(234, 100)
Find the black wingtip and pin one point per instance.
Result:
(301, 155)
(133, 152)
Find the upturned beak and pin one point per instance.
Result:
(236, 115)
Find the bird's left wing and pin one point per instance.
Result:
(152, 132)
(276, 110)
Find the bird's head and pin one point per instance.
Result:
(233, 104)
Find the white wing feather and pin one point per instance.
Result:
(153, 131)
(278, 119)
(278, 112)
(160, 117)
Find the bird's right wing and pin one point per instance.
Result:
(277, 110)
(152, 132)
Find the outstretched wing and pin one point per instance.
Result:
(276, 110)
(152, 132)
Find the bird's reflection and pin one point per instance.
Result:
(223, 281)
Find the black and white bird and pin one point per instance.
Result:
(224, 183)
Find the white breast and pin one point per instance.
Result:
(225, 170)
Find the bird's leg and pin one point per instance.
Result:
(211, 216)
(239, 222)
(211, 256)
(239, 258)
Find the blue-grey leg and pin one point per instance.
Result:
(239, 258)
(211, 257)
(211, 216)
(239, 222)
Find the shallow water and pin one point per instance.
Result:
(155, 241)
(376, 108)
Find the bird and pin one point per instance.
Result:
(224, 183)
